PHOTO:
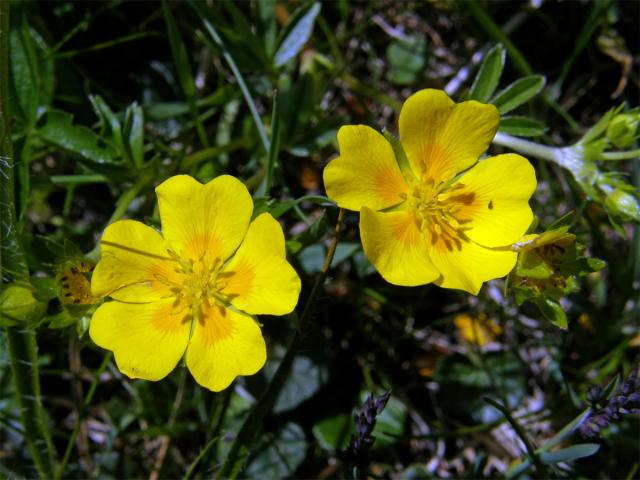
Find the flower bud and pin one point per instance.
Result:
(624, 205)
(621, 131)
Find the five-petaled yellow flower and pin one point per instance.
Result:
(439, 215)
(196, 287)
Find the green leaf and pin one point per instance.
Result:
(532, 265)
(283, 455)
(571, 453)
(179, 53)
(564, 222)
(109, 124)
(522, 126)
(333, 433)
(344, 250)
(166, 110)
(518, 92)
(398, 150)
(406, 59)
(552, 311)
(312, 258)
(296, 33)
(56, 127)
(133, 134)
(305, 379)
(25, 77)
(18, 305)
(274, 149)
(488, 76)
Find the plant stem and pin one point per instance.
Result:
(252, 425)
(628, 155)
(85, 405)
(528, 147)
(21, 340)
(566, 157)
(533, 454)
(165, 439)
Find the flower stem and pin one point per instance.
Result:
(21, 340)
(628, 155)
(527, 147)
(252, 425)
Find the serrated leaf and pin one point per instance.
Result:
(518, 92)
(56, 127)
(489, 74)
(571, 453)
(522, 126)
(296, 33)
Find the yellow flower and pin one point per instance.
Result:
(437, 215)
(196, 287)
(479, 330)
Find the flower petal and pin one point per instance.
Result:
(224, 344)
(442, 138)
(211, 218)
(133, 258)
(500, 186)
(147, 339)
(259, 280)
(396, 247)
(464, 265)
(366, 173)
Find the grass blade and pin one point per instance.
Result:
(217, 40)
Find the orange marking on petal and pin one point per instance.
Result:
(389, 185)
(239, 282)
(216, 323)
(403, 230)
(167, 321)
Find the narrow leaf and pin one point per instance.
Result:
(110, 125)
(133, 134)
(568, 454)
(296, 33)
(522, 126)
(179, 53)
(489, 74)
(518, 92)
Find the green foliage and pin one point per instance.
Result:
(548, 269)
(489, 74)
(406, 58)
(103, 101)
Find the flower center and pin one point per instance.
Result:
(438, 209)
(197, 283)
